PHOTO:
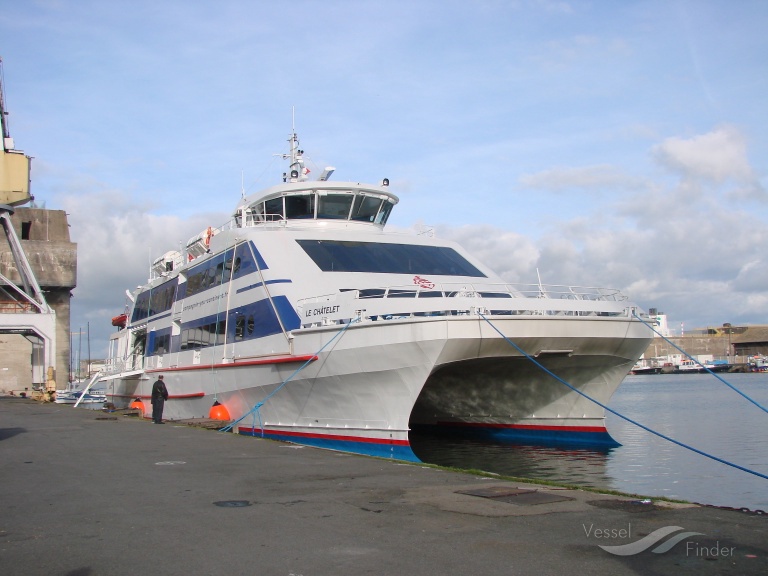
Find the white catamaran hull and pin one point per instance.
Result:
(377, 380)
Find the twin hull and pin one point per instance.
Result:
(373, 382)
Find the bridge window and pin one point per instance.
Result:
(365, 208)
(335, 206)
(300, 206)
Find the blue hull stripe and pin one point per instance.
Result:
(396, 452)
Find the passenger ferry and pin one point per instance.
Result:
(302, 319)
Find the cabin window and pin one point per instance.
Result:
(161, 298)
(300, 206)
(162, 344)
(214, 272)
(273, 209)
(334, 206)
(385, 258)
(141, 308)
(243, 263)
(209, 333)
(393, 293)
(372, 293)
(254, 214)
(365, 208)
(430, 294)
(383, 214)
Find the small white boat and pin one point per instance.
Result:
(688, 367)
(79, 392)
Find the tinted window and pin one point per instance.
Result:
(336, 256)
(274, 209)
(334, 205)
(302, 206)
(365, 208)
(384, 212)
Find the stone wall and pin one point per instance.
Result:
(695, 345)
(44, 236)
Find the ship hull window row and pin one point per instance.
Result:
(248, 322)
(234, 264)
(154, 301)
(218, 270)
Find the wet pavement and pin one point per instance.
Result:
(86, 493)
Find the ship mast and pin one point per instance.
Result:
(298, 172)
(3, 113)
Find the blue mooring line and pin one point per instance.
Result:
(255, 409)
(731, 386)
(612, 411)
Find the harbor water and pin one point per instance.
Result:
(695, 409)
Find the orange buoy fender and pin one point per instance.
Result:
(137, 405)
(218, 412)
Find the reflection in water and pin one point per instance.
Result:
(577, 465)
(695, 409)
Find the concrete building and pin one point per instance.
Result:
(752, 342)
(44, 238)
(735, 344)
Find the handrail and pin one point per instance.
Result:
(485, 291)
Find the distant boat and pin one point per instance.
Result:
(688, 367)
(643, 370)
(716, 366)
(643, 367)
(79, 391)
(758, 364)
(63, 397)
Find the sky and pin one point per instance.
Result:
(591, 143)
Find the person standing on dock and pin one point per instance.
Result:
(159, 396)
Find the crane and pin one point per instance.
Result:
(14, 164)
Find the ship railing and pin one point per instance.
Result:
(253, 219)
(429, 300)
(423, 288)
(129, 364)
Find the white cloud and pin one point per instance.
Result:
(718, 156)
(598, 177)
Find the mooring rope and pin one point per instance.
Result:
(731, 386)
(612, 411)
(256, 408)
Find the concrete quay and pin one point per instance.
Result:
(88, 493)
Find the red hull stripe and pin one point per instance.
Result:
(280, 360)
(527, 427)
(267, 431)
(170, 397)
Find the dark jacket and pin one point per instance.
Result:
(159, 390)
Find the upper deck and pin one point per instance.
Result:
(299, 199)
(317, 200)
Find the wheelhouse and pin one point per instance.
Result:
(314, 201)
